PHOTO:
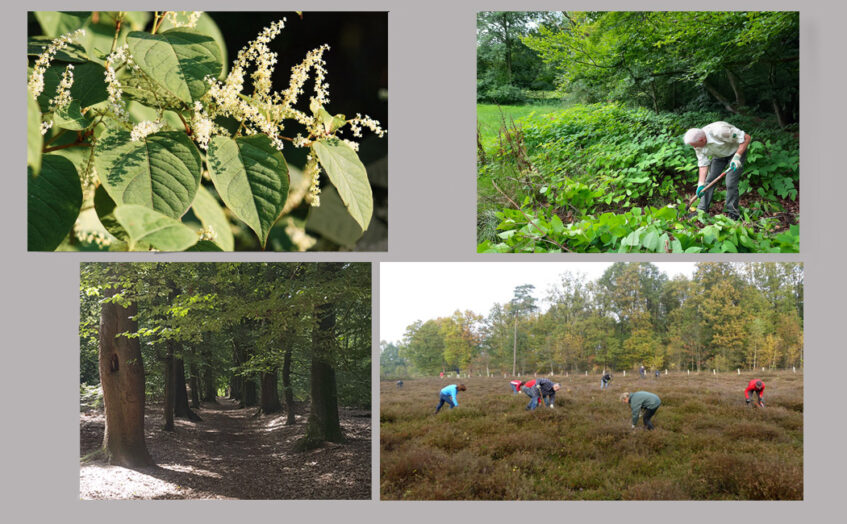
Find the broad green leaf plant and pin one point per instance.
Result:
(124, 128)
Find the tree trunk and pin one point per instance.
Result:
(286, 386)
(170, 392)
(250, 395)
(181, 408)
(720, 98)
(323, 422)
(194, 383)
(122, 378)
(210, 391)
(736, 89)
(236, 382)
(270, 394)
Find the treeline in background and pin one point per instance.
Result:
(726, 316)
(733, 61)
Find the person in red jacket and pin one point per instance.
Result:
(516, 386)
(757, 388)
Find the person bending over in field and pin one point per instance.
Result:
(717, 145)
(543, 389)
(605, 379)
(645, 400)
(448, 396)
(516, 386)
(529, 389)
(757, 388)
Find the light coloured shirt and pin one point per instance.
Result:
(722, 140)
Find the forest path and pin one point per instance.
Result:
(232, 454)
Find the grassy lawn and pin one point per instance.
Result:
(489, 119)
(707, 443)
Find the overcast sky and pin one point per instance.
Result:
(411, 291)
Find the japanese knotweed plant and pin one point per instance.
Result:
(122, 138)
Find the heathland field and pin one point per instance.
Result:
(707, 444)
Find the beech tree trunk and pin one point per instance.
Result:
(194, 382)
(170, 393)
(210, 392)
(323, 422)
(270, 393)
(250, 394)
(122, 378)
(286, 386)
(181, 408)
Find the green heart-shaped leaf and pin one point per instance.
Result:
(251, 177)
(105, 207)
(147, 227)
(54, 199)
(349, 177)
(161, 171)
(178, 60)
(34, 140)
(210, 213)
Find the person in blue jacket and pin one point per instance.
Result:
(448, 396)
(645, 400)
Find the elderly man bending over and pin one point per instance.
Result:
(717, 145)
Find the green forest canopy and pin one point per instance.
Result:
(685, 60)
(232, 323)
(726, 316)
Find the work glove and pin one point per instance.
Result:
(552, 406)
(700, 189)
(633, 426)
(735, 164)
(748, 401)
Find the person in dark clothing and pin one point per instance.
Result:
(399, 384)
(642, 371)
(757, 388)
(605, 379)
(656, 373)
(448, 396)
(544, 389)
(645, 400)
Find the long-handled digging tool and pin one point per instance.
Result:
(713, 182)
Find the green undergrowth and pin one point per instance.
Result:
(707, 443)
(604, 177)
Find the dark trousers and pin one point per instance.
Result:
(648, 414)
(732, 177)
(445, 399)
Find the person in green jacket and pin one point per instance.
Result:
(639, 400)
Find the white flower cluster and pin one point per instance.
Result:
(36, 80)
(313, 171)
(360, 121)
(145, 128)
(63, 92)
(113, 86)
(189, 18)
(264, 111)
(45, 126)
(201, 125)
(98, 238)
(298, 236)
(208, 233)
